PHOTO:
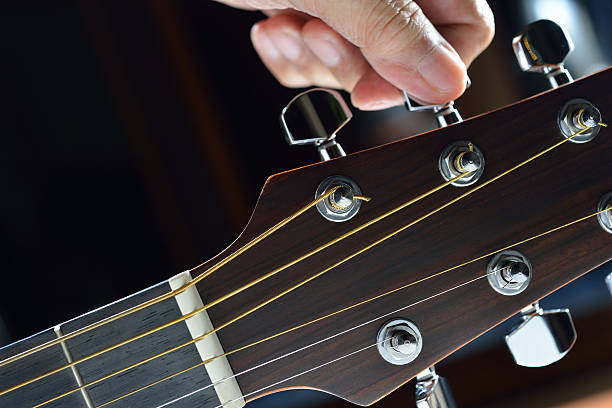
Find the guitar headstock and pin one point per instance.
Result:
(450, 233)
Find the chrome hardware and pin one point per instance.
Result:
(578, 115)
(609, 282)
(544, 336)
(542, 47)
(509, 272)
(399, 341)
(330, 150)
(605, 218)
(446, 114)
(433, 391)
(313, 118)
(342, 205)
(458, 158)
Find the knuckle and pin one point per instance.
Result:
(293, 81)
(313, 7)
(392, 19)
(483, 21)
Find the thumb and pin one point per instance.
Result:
(399, 42)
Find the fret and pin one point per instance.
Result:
(74, 369)
(112, 360)
(23, 369)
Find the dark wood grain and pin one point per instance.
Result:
(24, 369)
(561, 186)
(97, 367)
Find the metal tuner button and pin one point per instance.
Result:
(314, 117)
(542, 47)
(542, 338)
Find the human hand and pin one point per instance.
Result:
(372, 48)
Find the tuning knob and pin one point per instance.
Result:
(542, 47)
(433, 391)
(313, 118)
(445, 114)
(609, 282)
(544, 336)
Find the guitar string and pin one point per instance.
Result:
(334, 313)
(243, 372)
(361, 303)
(172, 293)
(322, 272)
(207, 273)
(314, 368)
(236, 291)
(194, 281)
(338, 334)
(291, 217)
(297, 375)
(279, 357)
(219, 300)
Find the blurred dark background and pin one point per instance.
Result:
(137, 135)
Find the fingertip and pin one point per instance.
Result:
(372, 92)
(262, 43)
(444, 75)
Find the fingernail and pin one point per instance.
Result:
(264, 45)
(288, 44)
(325, 50)
(377, 105)
(442, 69)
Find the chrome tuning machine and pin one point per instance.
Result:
(542, 338)
(609, 282)
(542, 47)
(446, 114)
(433, 391)
(313, 118)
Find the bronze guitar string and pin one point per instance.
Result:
(216, 302)
(270, 300)
(303, 372)
(333, 266)
(172, 293)
(236, 291)
(361, 303)
(299, 350)
(207, 273)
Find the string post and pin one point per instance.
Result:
(515, 272)
(461, 160)
(321, 198)
(588, 117)
(511, 272)
(604, 216)
(468, 161)
(399, 341)
(579, 120)
(343, 198)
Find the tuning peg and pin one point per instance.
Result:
(542, 47)
(544, 336)
(433, 391)
(445, 114)
(609, 282)
(313, 118)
